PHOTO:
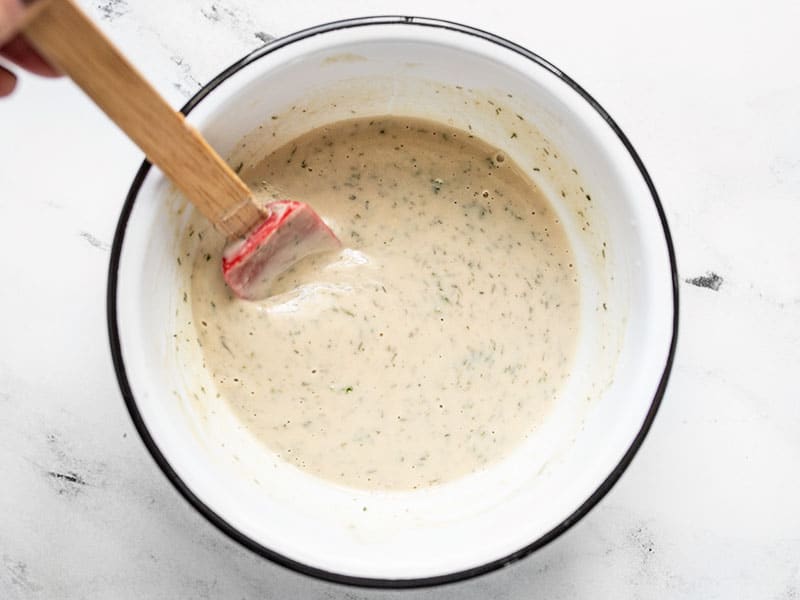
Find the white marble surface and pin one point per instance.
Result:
(708, 91)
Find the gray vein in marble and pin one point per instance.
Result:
(112, 9)
(641, 539)
(17, 574)
(95, 241)
(71, 477)
(67, 474)
(68, 483)
(214, 14)
(236, 20)
(710, 280)
(188, 84)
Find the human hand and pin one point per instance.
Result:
(15, 48)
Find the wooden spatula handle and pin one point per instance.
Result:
(67, 38)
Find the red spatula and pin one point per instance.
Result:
(264, 239)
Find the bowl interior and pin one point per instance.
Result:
(568, 148)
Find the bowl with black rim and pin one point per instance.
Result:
(443, 71)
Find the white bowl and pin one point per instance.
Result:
(555, 131)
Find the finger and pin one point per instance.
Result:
(11, 12)
(8, 82)
(18, 50)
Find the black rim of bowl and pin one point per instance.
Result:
(217, 520)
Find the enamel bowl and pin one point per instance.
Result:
(608, 205)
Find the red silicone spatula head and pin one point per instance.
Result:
(291, 231)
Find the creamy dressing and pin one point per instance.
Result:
(426, 349)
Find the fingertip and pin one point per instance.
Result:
(8, 81)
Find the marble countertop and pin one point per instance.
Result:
(708, 92)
